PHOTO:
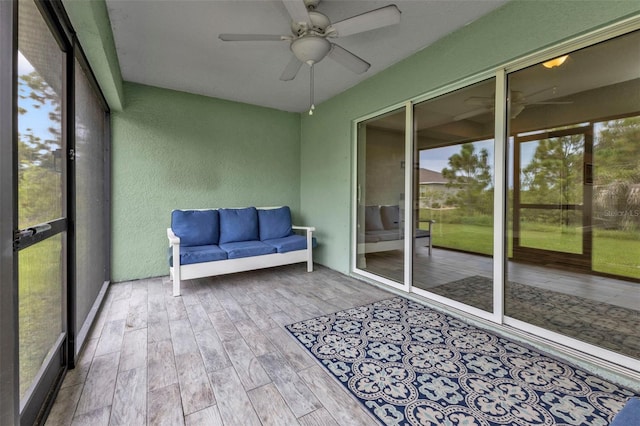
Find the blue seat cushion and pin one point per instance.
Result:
(369, 238)
(238, 225)
(198, 254)
(630, 414)
(274, 223)
(385, 235)
(196, 227)
(421, 233)
(290, 243)
(246, 249)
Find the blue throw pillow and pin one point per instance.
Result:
(274, 223)
(196, 227)
(238, 225)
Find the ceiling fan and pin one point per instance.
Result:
(310, 31)
(518, 102)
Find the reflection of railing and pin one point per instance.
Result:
(552, 206)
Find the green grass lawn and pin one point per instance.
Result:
(40, 301)
(614, 252)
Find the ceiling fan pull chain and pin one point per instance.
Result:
(312, 107)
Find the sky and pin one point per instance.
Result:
(438, 158)
(36, 119)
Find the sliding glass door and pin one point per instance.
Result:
(453, 196)
(523, 202)
(9, 378)
(381, 196)
(551, 203)
(54, 209)
(574, 196)
(41, 241)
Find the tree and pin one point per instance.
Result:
(470, 174)
(554, 175)
(617, 151)
(39, 183)
(617, 173)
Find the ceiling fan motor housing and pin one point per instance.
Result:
(319, 24)
(310, 49)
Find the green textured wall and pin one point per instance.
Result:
(163, 140)
(176, 150)
(516, 29)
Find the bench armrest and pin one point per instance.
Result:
(173, 238)
(308, 230)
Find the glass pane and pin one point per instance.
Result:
(40, 189)
(39, 120)
(90, 197)
(40, 274)
(454, 195)
(551, 170)
(616, 197)
(556, 229)
(381, 198)
(574, 195)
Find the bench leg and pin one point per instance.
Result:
(176, 282)
(309, 252)
(176, 270)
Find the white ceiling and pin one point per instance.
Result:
(174, 44)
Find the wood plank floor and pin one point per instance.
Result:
(218, 355)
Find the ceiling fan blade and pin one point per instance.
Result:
(479, 100)
(253, 37)
(539, 92)
(471, 113)
(378, 18)
(291, 70)
(348, 59)
(298, 11)
(550, 103)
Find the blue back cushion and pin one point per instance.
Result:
(196, 227)
(390, 216)
(274, 223)
(372, 219)
(238, 225)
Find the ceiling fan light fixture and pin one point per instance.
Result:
(310, 49)
(556, 62)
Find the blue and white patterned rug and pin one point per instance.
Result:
(602, 324)
(411, 365)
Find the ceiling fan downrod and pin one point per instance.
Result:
(311, 101)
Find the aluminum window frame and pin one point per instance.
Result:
(9, 376)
